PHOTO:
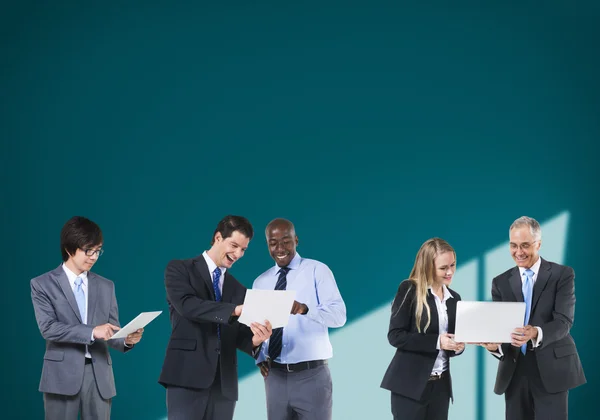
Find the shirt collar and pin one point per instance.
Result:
(211, 264)
(447, 294)
(535, 267)
(293, 265)
(72, 276)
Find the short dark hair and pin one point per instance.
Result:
(230, 224)
(78, 233)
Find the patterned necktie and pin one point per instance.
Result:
(275, 342)
(80, 298)
(216, 277)
(527, 295)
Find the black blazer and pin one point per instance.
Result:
(552, 309)
(193, 349)
(416, 352)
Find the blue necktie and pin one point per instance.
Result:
(527, 296)
(216, 277)
(275, 342)
(80, 298)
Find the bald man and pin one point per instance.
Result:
(294, 360)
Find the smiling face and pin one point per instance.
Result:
(282, 242)
(445, 266)
(226, 251)
(524, 248)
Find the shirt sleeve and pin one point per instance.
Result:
(330, 309)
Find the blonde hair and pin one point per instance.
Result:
(423, 274)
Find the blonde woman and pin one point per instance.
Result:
(421, 330)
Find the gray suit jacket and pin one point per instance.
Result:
(552, 309)
(60, 323)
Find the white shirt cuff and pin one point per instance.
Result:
(498, 352)
(535, 342)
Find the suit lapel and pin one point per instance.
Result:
(451, 308)
(93, 292)
(516, 285)
(540, 282)
(202, 270)
(434, 325)
(227, 287)
(63, 281)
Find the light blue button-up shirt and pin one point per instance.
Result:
(306, 337)
(84, 285)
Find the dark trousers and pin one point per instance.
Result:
(199, 404)
(527, 399)
(433, 405)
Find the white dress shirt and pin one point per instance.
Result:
(441, 361)
(536, 269)
(535, 342)
(211, 269)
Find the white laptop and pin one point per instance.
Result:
(487, 322)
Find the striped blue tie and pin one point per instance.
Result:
(275, 342)
(216, 277)
(527, 296)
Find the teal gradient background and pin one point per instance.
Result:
(372, 125)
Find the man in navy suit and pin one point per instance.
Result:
(205, 301)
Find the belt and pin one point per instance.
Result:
(88, 360)
(440, 376)
(298, 367)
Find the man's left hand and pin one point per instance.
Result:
(521, 336)
(134, 338)
(261, 332)
(299, 308)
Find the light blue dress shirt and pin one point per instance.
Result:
(306, 337)
(84, 285)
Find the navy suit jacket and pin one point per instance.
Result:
(193, 350)
(416, 351)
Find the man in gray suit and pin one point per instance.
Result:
(76, 312)
(541, 364)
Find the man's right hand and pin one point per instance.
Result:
(299, 308)
(105, 331)
(238, 310)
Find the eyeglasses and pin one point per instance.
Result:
(524, 246)
(90, 252)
